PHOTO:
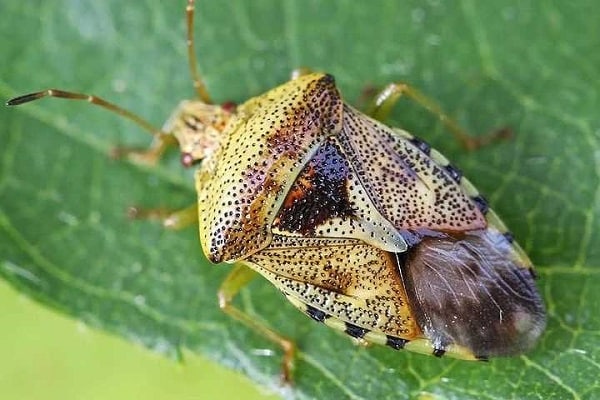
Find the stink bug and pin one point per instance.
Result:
(363, 227)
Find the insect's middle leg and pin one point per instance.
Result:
(385, 100)
(237, 279)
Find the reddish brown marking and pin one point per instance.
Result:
(302, 185)
(229, 106)
(271, 185)
(282, 141)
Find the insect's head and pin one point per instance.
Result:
(198, 128)
(197, 125)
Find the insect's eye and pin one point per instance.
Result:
(187, 160)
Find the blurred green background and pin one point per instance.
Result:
(48, 356)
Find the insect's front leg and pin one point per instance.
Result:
(150, 156)
(161, 140)
(236, 280)
(383, 102)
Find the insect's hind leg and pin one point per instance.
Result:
(236, 280)
(384, 101)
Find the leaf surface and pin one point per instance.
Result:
(533, 66)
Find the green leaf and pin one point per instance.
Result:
(530, 65)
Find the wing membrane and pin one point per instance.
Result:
(470, 291)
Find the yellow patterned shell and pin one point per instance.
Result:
(364, 227)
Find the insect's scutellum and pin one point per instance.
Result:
(363, 227)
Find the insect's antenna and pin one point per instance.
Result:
(196, 78)
(90, 99)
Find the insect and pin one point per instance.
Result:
(363, 227)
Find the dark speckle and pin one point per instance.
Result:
(395, 342)
(481, 203)
(509, 237)
(315, 314)
(355, 331)
(454, 172)
(421, 145)
(438, 352)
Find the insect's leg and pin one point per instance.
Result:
(161, 141)
(383, 102)
(238, 278)
(171, 219)
(150, 156)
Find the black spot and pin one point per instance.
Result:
(454, 172)
(355, 331)
(482, 358)
(395, 342)
(421, 145)
(315, 314)
(438, 352)
(481, 203)
(509, 237)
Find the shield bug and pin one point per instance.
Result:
(363, 227)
